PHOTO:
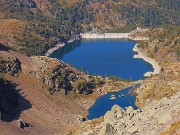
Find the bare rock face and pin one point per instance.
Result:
(59, 76)
(165, 84)
(155, 116)
(10, 65)
(153, 119)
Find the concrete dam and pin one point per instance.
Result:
(104, 35)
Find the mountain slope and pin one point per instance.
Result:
(31, 27)
(157, 97)
(45, 23)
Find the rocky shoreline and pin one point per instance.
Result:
(155, 64)
(152, 119)
(59, 45)
(51, 50)
(94, 36)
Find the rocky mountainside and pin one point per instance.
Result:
(163, 46)
(56, 74)
(10, 65)
(31, 27)
(165, 84)
(157, 97)
(53, 96)
(158, 117)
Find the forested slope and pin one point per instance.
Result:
(43, 23)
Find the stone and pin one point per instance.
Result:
(133, 129)
(120, 114)
(109, 129)
(88, 132)
(121, 126)
(21, 123)
(10, 65)
(164, 117)
(129, 109)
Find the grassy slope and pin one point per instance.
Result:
(164, 48)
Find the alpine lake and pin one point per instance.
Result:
(106, 57)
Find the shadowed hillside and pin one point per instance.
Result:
(10, 101)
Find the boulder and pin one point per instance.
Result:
(22, 124)
(129, 109)
(164, 117)
(10, 65)
(109, 129)
(133, 129)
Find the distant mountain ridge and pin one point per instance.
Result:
(48, 22)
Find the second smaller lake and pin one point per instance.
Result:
(123, 98)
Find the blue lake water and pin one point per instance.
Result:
(110, 57)
(104, 103)
(104, 56)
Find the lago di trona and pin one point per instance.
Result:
(104, 57)
(89, 67)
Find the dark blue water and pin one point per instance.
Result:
(104, 103)
(104, 56)
(110, 57)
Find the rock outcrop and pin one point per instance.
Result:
(55, 74)
(22, 124)
(58, 75)
(152, 119)
(165, 84)
(10, 65)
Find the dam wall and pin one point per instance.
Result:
(104, 35)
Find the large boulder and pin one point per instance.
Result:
(164, 117)
(10, 65)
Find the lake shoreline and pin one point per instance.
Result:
(60, 45)
(78, 37)
(51, 50)
(154, 64)
(127, 92)
(92, 101)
